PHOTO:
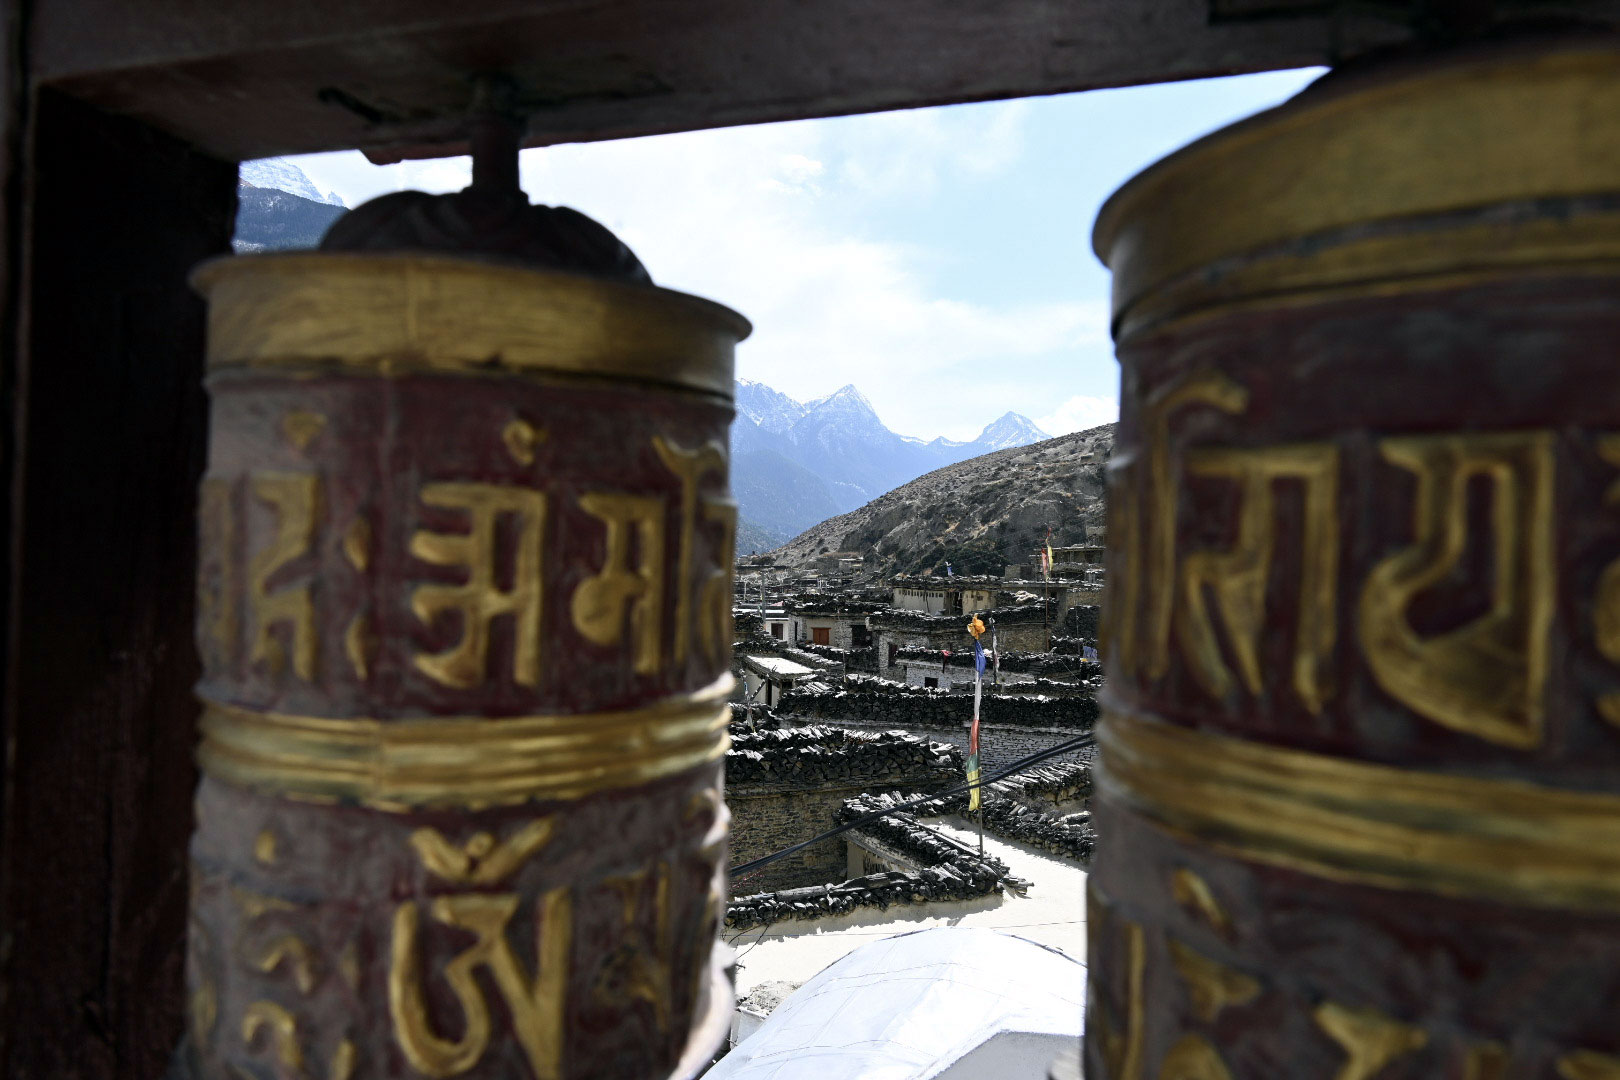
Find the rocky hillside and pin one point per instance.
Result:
(978, 515)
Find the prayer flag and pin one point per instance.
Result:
(978, 655)
(976, 627)
(973, 740)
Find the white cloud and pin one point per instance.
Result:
(795, 171)
(784, 222)
(1079, 413)
(904, 154)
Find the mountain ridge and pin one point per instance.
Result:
(977, 515)
(839, 439)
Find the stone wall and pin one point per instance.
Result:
(911, 845)
(926, 866)
(1045, 808)
(861, 660)
(768, 818)
(935, 868)
(1062, 788)
(763, 719)
(1011, 725)
(786, 786)
(949, 677)
(818, 755)
(1082, 621)
(999, 746)
(1013, 662)
(930, 885)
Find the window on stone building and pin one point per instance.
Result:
(931, 682)
(821, 635)
(776, 630)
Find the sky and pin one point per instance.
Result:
(938, 259)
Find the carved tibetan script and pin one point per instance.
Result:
(1479, 513)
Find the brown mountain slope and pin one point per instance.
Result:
(978, 515)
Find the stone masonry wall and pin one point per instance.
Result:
(766, 819)
(999, 745)
(895, 705)
(786, 786)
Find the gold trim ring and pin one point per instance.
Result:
(462, 761)
(1490, 161)
(1504, 840)
(400, 314)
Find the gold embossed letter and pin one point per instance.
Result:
(1151, 569)
(599, 603)
(689, 465)
(1370, 1039)
(1237, 578)
(1588, 1065)
(714, 611)
(534, 1002)
(295, 497)
(1485, 677)
(1193, 1058)
(481, 599)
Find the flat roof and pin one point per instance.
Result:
(778, 665)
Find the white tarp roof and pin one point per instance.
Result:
(906, 1007)
(781, 665)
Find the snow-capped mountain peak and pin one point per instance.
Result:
(1009, 430)
(771, 409)
(279, 174)
(846, 399)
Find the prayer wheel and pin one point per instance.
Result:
(465, 617)
(1360, 758)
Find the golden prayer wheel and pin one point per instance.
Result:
(465, 616)
(1360, 778)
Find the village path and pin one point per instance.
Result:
(1053, 912)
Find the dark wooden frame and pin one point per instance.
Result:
(120, 124)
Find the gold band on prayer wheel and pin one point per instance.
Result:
(1373, 824)
(464, 761)
(1339, 189)
(424, 314)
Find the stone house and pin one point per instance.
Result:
(830, 620)
(1074, 560)
(775, 622)
(955, 595)
(767, 678)
(935, 673)
(1024, 628)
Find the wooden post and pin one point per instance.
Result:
(105, 438)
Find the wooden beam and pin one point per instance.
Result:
(265, 77)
